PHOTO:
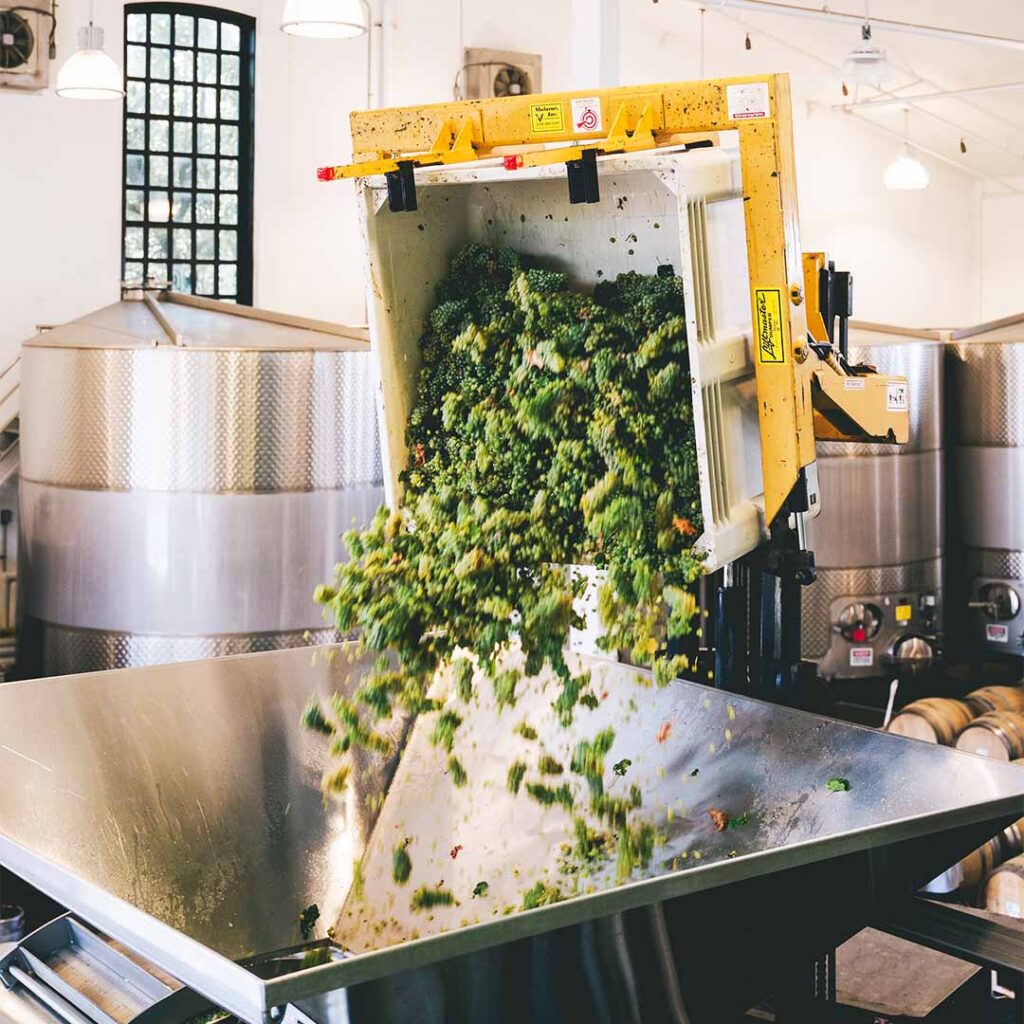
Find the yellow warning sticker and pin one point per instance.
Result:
(904, 612)
(546, 118)
(771, 336)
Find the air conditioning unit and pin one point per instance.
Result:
(496, 73)
(25, 44)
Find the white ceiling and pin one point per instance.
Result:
(990, 124)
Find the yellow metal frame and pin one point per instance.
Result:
(758, 108)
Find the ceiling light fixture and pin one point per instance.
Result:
(867, 63)
(325, 19)
(906, 172)
(90, 73)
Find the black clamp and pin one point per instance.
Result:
(582, 175)
(402, 187)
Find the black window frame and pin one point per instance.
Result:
(245, 158)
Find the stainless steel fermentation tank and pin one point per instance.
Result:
(878, 541)
(187, 470)
(987, 379)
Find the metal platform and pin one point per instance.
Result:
(178, 809)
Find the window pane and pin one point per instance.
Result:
(136, 29)
(133, 272)
(133, 204)
(181, 210)
(159, 62)
(206, 138)
(184, 30)
(159, 136)
(135, 133)
(136, 101)
(158, 170)
(229, 36)
(204, 208)
(160, 28)
(157, 243)
(157, 272)
(183, 171)
(204, 245)
(183, 136)
(229, 175)
(182, 244)
(229, 70)
(227, 275)
(206, 64)
(206, 97)
(229, 104)
(228, 250)
(204, 280)
(159, 208)
(184, 65)
(205, 174)
(183, 100)
(135, 169)
(229, 209)
(135, 62)
(159, 98)
(228, 140)
(181, 280)
(133, 243)
(208, 34)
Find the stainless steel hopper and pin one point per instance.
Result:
(178, 809)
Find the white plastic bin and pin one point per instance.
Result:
(683, 208)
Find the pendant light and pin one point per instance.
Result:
(325, 19)
(90, 73)
(906, 172)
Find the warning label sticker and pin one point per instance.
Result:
(771, 338)
(904, 612)
(547, 118)
(862, 657)
(586, 115)
(896, 399)
(997, 634)
(853, 384)
(746, 102)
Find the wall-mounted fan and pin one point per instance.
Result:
(494, 73)
(25, 54)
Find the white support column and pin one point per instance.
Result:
(595, 42)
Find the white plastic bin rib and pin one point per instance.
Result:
(683, 209)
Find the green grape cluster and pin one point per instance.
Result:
(551, 429)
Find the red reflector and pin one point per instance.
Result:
(860, 634)
(513, 162)
(325, 174)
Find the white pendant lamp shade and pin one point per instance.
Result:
(89, 73)
(905, 173)
(324, 19)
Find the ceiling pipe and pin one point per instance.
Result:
(925, 97)
(841, 17)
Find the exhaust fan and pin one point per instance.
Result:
(496, 73)
(26, 44)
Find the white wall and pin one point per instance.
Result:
(1002, 255)
(914, 256)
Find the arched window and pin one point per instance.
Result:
(188, 148)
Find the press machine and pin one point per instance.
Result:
(796, 341)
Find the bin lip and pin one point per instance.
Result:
(493, 169)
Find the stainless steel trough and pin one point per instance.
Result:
(178, 809)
